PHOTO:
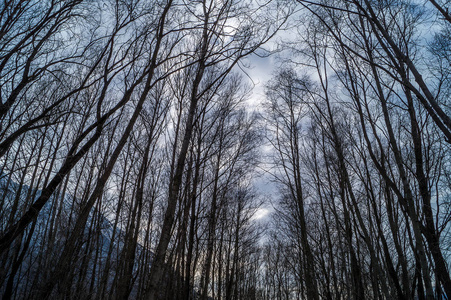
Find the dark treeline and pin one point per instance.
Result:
(128, 152)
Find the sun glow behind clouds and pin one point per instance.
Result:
(261, 213)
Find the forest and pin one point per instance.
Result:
(138, 162)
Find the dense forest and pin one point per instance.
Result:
(137, 163)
